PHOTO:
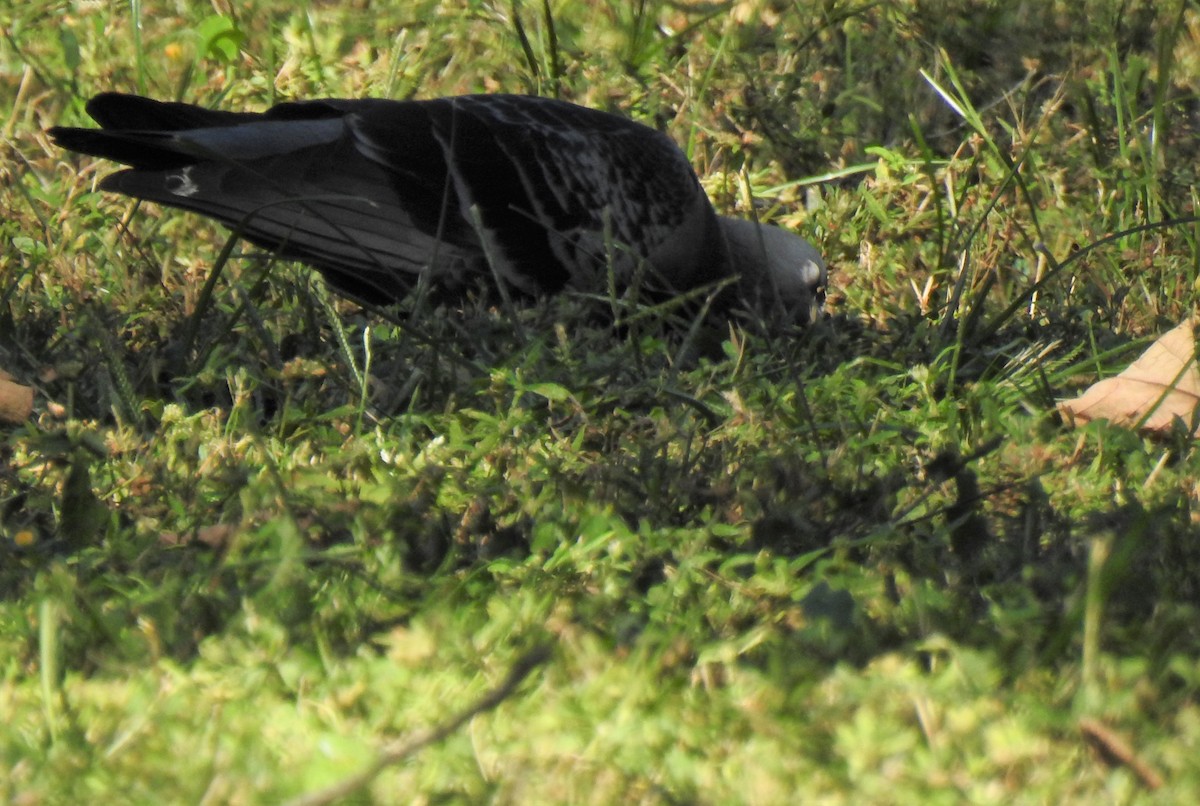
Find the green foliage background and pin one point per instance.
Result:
(864, 564)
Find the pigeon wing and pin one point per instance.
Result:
(374, 193)
(558, 192)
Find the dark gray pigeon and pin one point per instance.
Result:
(538, 194)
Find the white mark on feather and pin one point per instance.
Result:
(181, 184)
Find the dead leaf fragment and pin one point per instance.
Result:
(215, 536)
(1160, 387)
(16, 401)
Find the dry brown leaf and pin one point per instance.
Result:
(215, 536)
(16, 401)
(1161, 386)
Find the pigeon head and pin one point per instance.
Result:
(782, 275)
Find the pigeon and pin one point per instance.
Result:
(533, 195)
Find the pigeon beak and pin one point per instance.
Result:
(816, 308)
(814, 278)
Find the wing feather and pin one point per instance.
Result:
(372, 192)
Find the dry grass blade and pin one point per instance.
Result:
(1116, 751)
(401, 749)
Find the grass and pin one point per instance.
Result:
(868, 564)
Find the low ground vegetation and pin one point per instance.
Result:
(248, 549)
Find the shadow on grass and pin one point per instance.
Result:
(842, 524)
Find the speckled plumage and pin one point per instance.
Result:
(538, 194)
